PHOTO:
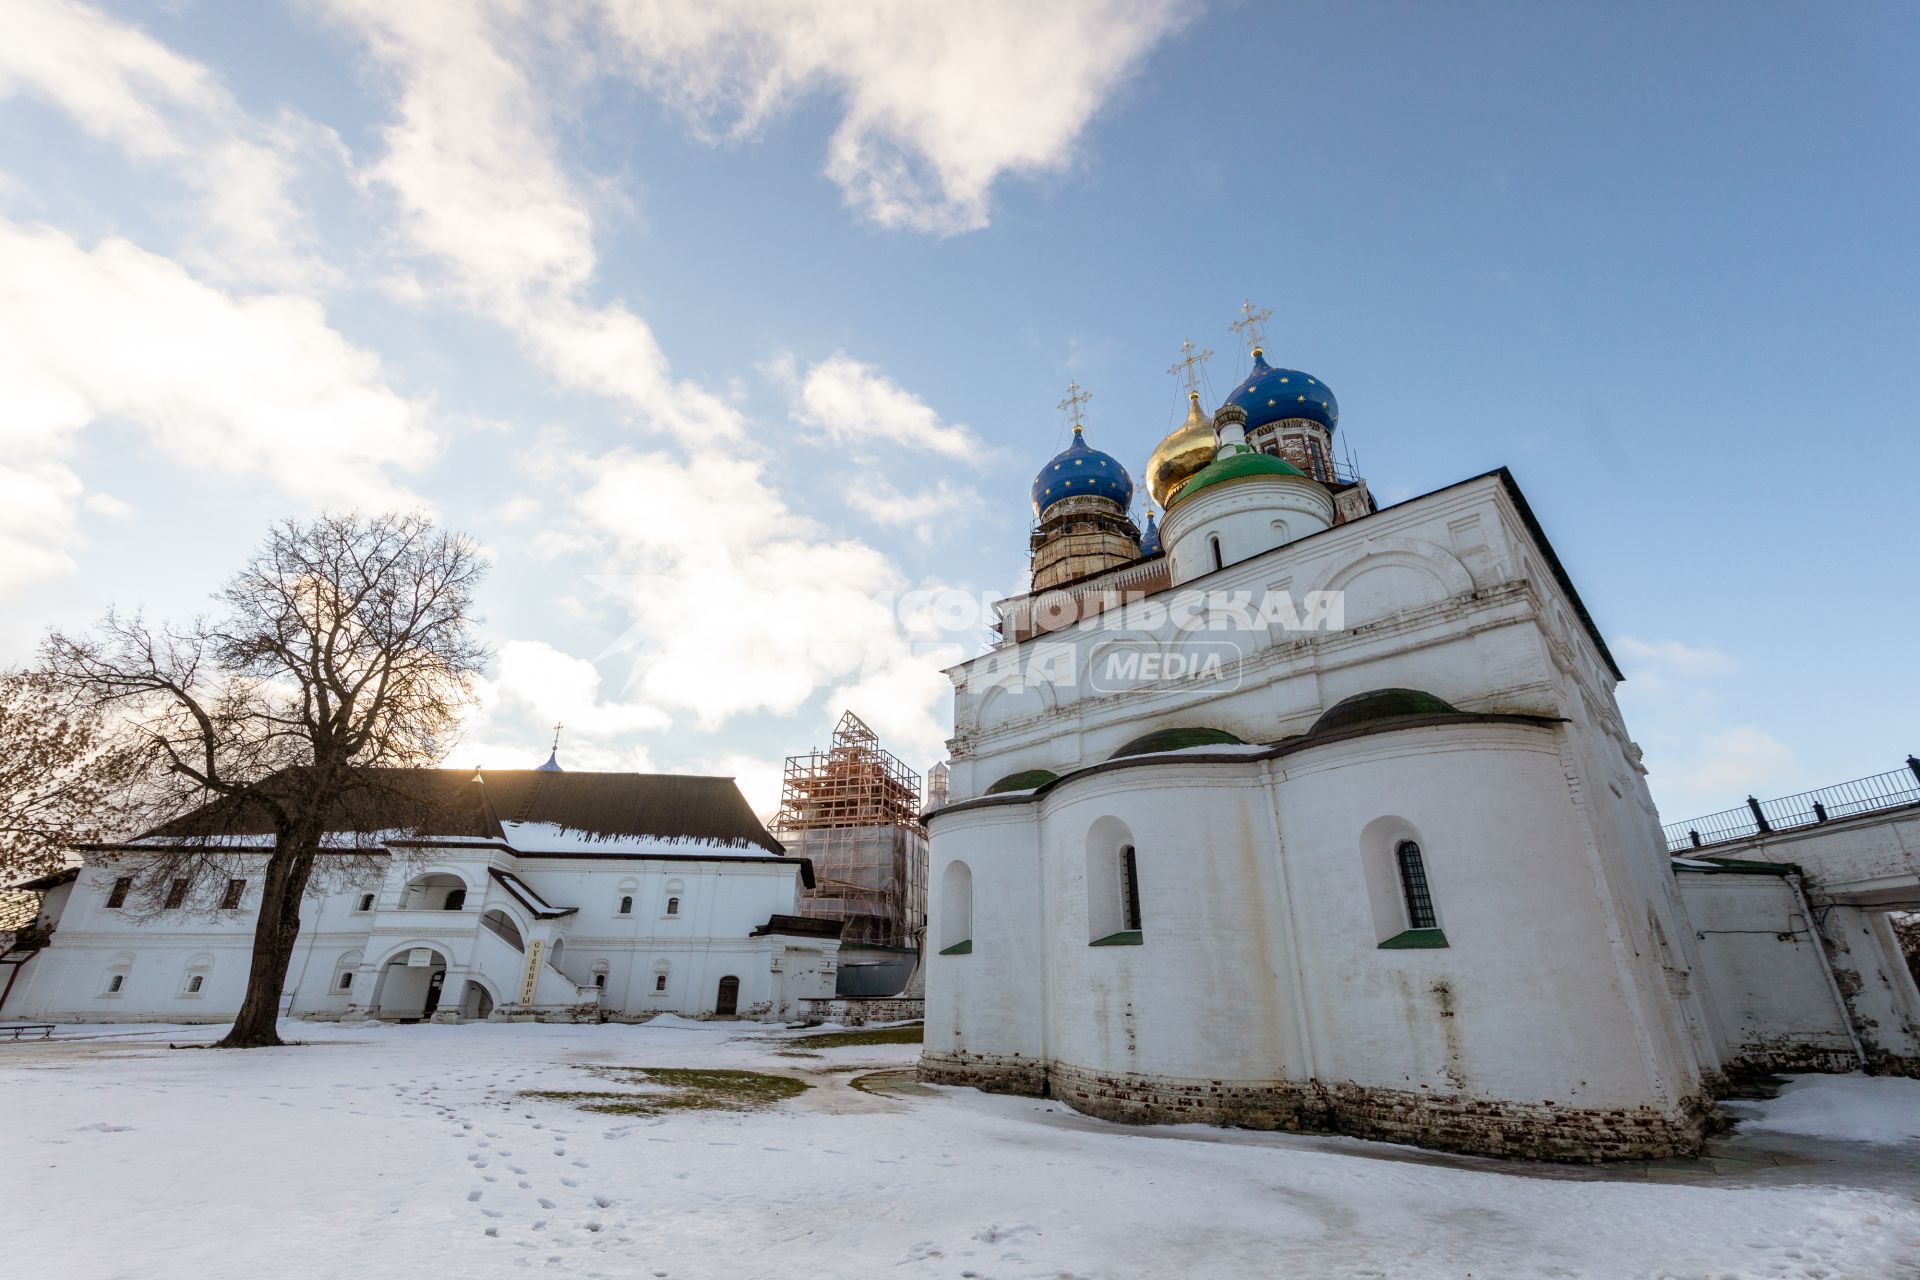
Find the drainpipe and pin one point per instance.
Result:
(1826, 968)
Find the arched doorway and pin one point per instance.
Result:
(409, 986)
(728, 1002)
(476, 1004)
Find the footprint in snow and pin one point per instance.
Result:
(545, 1203)
(569, 1182)
(524, 1185)
(603, 1202)
(472, 1196)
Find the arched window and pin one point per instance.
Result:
(659, 982)
(1213, 544)
(956, 910)
(1319, 458)
(600, 970)
(1114, 911)
(343, 970)
(626, 904)
(114, 981)
(1413, 886)
(673, 906)
(366, 902)
(194, 980)
(457, 899)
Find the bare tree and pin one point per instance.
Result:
(344, 651)
(62, 778)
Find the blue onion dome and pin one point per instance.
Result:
(1150, 537)
(1270, 394)
(1081, 469)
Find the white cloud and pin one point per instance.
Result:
(759, 780)
(1722, 767)
(474, 170)
(922, 511)
(255, 386)
(939, 101)
(534, 676)
(848, 402)
(736, 603)
(1659, 663)
(169, 112)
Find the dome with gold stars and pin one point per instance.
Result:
(1182, 454)
(1081, 469)
(1270, 394)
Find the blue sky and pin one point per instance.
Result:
(714, 322)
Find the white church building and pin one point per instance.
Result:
(1290, 811)
(533, 894)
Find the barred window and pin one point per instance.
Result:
(1129, 889)
(626, 905)
(1413, 883)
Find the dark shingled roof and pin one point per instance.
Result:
(450, 802)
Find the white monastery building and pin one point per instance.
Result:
(532, 893)
(1288, 811)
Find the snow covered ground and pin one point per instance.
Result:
(408, 1152)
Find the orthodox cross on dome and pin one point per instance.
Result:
(1072, 404)
(557, 727)
(1252, 325)
(1188, 369)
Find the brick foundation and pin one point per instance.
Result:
(1449, 1122)
(858, 1011)
(991, 1073)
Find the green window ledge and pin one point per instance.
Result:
(1415, 939)
(959, 949)
(1125, 938)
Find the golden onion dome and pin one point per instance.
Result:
(1182, 454)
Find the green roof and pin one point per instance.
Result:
(1380, 704)
(1173, 740)
(1237, 467)
(1025, 780)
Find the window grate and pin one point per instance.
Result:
(1413, 883)
(1129, 889)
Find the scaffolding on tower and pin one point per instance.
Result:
(854, 810)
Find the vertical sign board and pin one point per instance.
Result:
(532, 978)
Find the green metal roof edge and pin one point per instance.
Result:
(1415, 940)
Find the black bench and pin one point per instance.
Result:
(44, 1028)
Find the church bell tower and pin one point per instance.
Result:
(1080, 501)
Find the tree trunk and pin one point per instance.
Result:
(288, 870)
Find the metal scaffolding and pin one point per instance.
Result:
(854, 809)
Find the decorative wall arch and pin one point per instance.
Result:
(1030, 699)
(1111, 876)
(393, 953)
(956, 909)
(1415, 559)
